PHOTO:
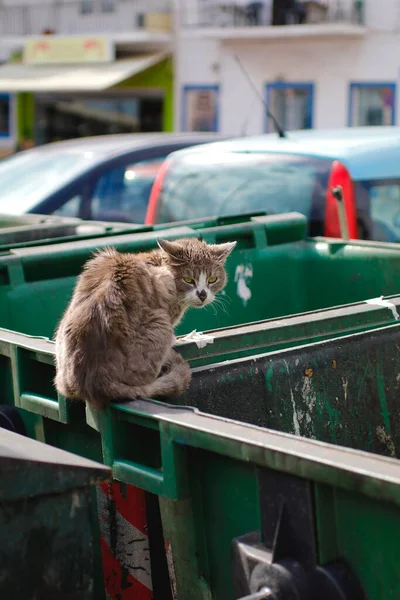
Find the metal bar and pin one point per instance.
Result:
(346, 319)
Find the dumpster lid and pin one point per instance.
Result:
(32, 468)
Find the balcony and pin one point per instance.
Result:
(82, 17)
(273, 19)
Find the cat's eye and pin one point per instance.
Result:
(188, 280)
(212, 279)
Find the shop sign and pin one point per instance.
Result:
(68, 50)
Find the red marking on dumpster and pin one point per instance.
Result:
(119, 583)
(130, 502)
(124, 542)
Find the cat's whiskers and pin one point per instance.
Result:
(221, 302)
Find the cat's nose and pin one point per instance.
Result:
(202, 295)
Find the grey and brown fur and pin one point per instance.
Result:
(115, 339)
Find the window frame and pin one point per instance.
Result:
(199, 88)
(357, 85)
(364, 211)
(108, 6)
(285, 85)
(86, 7)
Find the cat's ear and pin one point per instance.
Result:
(173, 249)
(222, 251)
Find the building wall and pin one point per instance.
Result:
(330, 64)
(21, 17)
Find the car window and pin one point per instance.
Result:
(122, 193)
(26, 179)
(378, 204)
(200, 185)
(70, 208)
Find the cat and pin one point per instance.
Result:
(115, 340)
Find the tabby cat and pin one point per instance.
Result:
(115, 340)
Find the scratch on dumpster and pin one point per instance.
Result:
(345, 385)
(385, 439)
(243, 274)
(296, 424)
(309, 396)
(75, 504)
(386, 304)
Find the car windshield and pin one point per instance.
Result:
(29, 177)
(202, 185)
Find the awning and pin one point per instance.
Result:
(79, 78)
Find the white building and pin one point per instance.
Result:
(315, 63)
(334, 63)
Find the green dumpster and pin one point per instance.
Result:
(274, 271)
(201, 464)
(33, 230)
(47, 539)
(241, 503)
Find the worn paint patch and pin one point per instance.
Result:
(268, 377)
(243, 276)
(380, 382)
(308, 394)
(171, 569)
(75, 504)
(345, 385)
(296, 423)
(385, 439)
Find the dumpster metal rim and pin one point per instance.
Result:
(374, 475)
(45, 344)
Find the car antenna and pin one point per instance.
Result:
(269, 114)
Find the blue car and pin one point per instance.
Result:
(295, 173)
(105, 178)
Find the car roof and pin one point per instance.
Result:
(110, 145)
(368, 152)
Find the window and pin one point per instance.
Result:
(379, 209)
(201, 185)
(86, 7)
(372, 104)
(5, 115)
(291, 104)
(200, 108)
(27, 179)
(70, 208)
(108, 6)
(122, 193)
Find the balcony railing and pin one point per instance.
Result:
(248, 13)
(82, 16)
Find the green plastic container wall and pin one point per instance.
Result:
(34, 230)
(268, 277)
(283, 274)
(48, 545)
(220, 480)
